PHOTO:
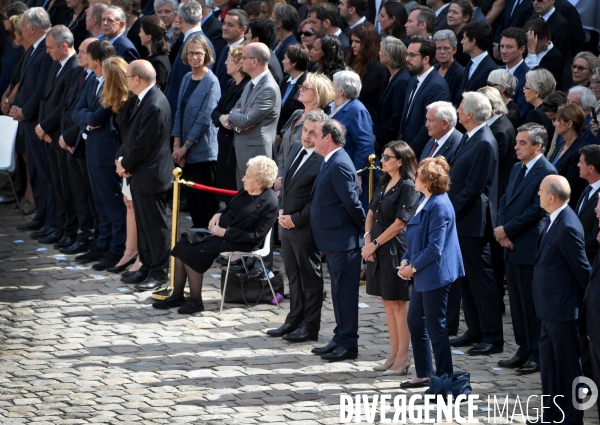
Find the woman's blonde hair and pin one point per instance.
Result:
(236, 54)
(16, 21)
(264, 169)
(116, 91)
(322, 87)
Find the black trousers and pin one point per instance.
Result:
(83, 201)
(203, 205)
(153, 231)
(453, 310)
(498, 265)
(41, 180)
(64, 208)
(595, 360)
(526, 325)
(302, 263)
(479, 292)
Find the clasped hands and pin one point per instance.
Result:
(121, 171)
(42, 135)
(502, 239)
(368, 251)
(213, 226)
(405, 270)
(285, 220)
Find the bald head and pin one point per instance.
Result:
(554, 193)
(82, 55)
(255, 59)
(140, 76)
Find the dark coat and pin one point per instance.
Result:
(69, 129)
(78, 29)
(567, 167)
(592, 304)
(505, 136)
(125, 48)
(479, 77)
(554, 62)
(518, 18)
(391, 107)
(453, 78)
(447, 150)
(373, 85)
(519, 96)
(162, 66)
(441, 21)
(212, 29)
(291, 103)
(585, 211)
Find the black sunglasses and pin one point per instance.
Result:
(305, 33)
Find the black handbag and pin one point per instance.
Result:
(244, 290)
(195, 235)
(450, 385)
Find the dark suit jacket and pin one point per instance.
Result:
(125, 48)
(479, 77)
(391, 107)
(554, 62)
(561, 270)
(505, 136)
(474, 188)
(280, 52)
(567, 167)
(560, 33)
(345, 43)
(592, 304)
(412, 127)
(373, 85)
(69, 129)
(52, 102)
(291, 103)
(147, 144)
(212, 29)
(359, 132)
(295, 197)
(518, 19)
(520, 212)
(453, 78)
(276, 69)
(519, 96)
(78, 28)
(588, 219)
(441, 21)
(447, 150)
(571, 14)
(59, 13)
(336, 215)
(220, 69)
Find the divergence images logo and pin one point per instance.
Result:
(584, 393)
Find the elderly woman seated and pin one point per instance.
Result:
(241, 226)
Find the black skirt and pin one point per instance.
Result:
(200, 257)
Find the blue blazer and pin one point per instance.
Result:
(520, 212)
(280, 52)
(337, 219)
(561, 270)
(197, 124)
(447, 150)
(412, 127)
(359, 132)
(433, 247)
(125, 48)
(519, 96)
(391, 106)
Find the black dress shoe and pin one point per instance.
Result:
(169, 302)
(191, 307)
(137, 277)
(463, 341)
(341, 353)
(32, 225)
(284, 329)
(329, 348)
(484, 349)
(52, 237)
(128, 274)
(528, 368)
(453, 332)
(302, 334)
(94, 254)
(514, 362)
(108, 261)
(44, 231)
(64, 242)
(76, 247)
(122, 267)
(408, 384)
(150, 284)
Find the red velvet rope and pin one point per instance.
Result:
(214, 190)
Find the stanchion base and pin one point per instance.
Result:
(163, 294)
(363, 282)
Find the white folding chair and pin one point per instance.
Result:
(262, 252)
(8, 137)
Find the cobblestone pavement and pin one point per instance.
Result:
(79, 347)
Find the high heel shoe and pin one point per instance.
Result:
(402, 371)
(382, 367)
(122, 267)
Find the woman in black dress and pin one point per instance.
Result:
(153, 35)
(226, 162)
(539, 83)
(393, 205)
(77, 21)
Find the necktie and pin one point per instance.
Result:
(251, 88)
(82, 80)
(322, 165)
(584, 197)
(411, 97)
(546, 227)
(287, 92)
(295, 166)
(521, 175)
(98, 87)
(517, 3)
(471, 69)
(137, 105)
(433, 149)
(58, 72)
(460, 145)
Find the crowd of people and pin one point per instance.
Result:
(482, 115)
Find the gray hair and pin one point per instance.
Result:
(337, 131)
(62, 34)
(563, 193)
(316, 116)
(542, 81)
(118, 12)
(159, 3)
(348, 82)
(478, 105)
(444, 111)
(190, 12)
(396, 50)
(502, 77)
(241, 15)
(261, 55)
(588, 98)
(265, 170)
(38, 17)
(446, 35)
(96, 11)
(537, 134)
(286, 14)
(590, 58)
(493, 95)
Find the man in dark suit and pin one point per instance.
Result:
(102, 141)
(296, 67)
(573, 17)
(262, 30)
(212, 28)
(93, 19)
(87, 216)
(425, 87)
(541, 52)
(113, 28)
(234, 28)
(520, 223)
(512, 46)
(421, 21)
(515, 14)
(353, 13)
(560, 32)
(324, 18)
(59, 44)
(474, 176)
(561, 274)
(477, 39)
(25, 109)
(301, 258)
(337, 224)
(592, 314)
(146, 161)
(440, 7)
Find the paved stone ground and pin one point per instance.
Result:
(78, 347)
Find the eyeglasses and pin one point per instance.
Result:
(537, 1)
(579, 68)
(194, 54)
(527, 88)
(305, 33)
(248, 57)
(385, 157)
(594, 82)
(304, 88)
(490, 84)
(443, 49)
(130, 76)
(411, 56)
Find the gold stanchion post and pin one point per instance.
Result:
(372, 159)
(163, 294)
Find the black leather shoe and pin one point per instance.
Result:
(44, 231)
(52, 237)
(128, 274)
(94, 254)
(302, 334)
(150, 284)
(109, 261)
(408, 384)
(284, 329)
(77, 247)
(512, 363)
(528, 368)
(329, 348)
(168, 303)
(64, 242)
(191, 307)
(341, 353)
(463, 341)
(453, 332)
(122, 267)
(137, 277)
(485, 349)
(32, 225)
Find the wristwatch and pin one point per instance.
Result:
(376, 242)
(413, 269)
